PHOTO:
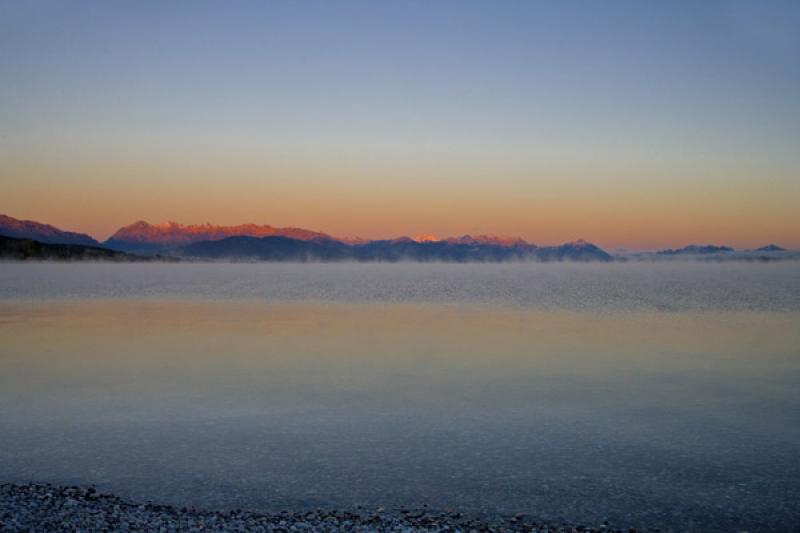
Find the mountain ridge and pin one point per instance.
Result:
(697, 249)
(770, 248)
(142, 236)
(44, 233)
(278, 248)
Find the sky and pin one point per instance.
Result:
(630, 124)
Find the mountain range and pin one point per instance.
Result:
(277, 248)
(694, 249)
(143, 237)
(268, 243)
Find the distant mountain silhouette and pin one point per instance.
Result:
(44, 233)
(268, 243)
(579, 250)
(488, 239)
(694, 249)
(770, 248)
(267, 249)
(13, 249)
(714, 254)
(252, 242)
(403, 249)
(143, 237)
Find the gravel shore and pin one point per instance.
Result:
(43, 507)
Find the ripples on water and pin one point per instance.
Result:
(648, 394)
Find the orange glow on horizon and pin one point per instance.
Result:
(611, 207)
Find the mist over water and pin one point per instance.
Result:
(674, 286)
(647, 394)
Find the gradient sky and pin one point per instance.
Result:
(631, 124)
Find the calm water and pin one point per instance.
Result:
(647, 394)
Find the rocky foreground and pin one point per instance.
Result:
(42, 507)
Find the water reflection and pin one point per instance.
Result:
(657, 418)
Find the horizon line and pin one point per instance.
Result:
(419, 237)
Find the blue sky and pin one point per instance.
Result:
(373, 98)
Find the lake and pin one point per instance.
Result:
(648, 394)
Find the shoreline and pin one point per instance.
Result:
(44, 507)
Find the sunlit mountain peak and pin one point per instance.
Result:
(425, 237)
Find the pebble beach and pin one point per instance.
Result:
(49, 508)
